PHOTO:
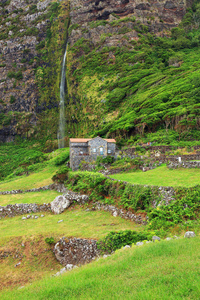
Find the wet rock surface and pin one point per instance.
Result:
(75, 251)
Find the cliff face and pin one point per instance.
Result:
(32, 38)
(159, 16)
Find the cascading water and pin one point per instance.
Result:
(61, 129)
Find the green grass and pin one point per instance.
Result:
(34, 180)
(162, 176)
(79, 223)
(35, 197)
(165, 270)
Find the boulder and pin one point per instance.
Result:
(189, 234)
(139, 243)
(155, 238)
(60, 204)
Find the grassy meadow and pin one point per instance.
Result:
(162, 176)
(76, 222)
(164, 270)
(34, 180)
(33, 197)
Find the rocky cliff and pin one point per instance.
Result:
(32, 39)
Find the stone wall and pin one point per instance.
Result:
(21, 209)
(185, 164)
(75, 251)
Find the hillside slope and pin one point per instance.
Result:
(127, 74)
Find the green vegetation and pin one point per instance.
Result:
(33, 197)
(24, 159)
(165, 270)
(147, 86)
(162, 176)
(116, 240)
(76, 222)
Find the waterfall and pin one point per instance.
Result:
(61, 129)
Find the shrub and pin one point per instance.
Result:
(116, 240)
(50, 240)
(61, 175)
(61, 159)
(12, 99)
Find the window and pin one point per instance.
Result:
(109, 151)
(94, 150)
(101, 151)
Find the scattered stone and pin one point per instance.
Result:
(23, 245)
(176, 237)
(62, 271)
(189, 234)
(127, 246)
(23, 218)
(69, 267)
(87, 209)
(36, 217)
(139, 243)
(156, 238)
(17, 264)
(105, 256)
(115, 214)
(42, 216)
(168, 239)
(60, 221)
(28, 217)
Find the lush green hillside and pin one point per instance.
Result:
(126, 75)
(150, 87)
(165, 270)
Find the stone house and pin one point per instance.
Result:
(89, 149)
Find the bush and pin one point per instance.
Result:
(61, 175)
(116, 240)
(12, 99)
(50, 240)
(61, 159)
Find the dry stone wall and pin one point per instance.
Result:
(21, 209)
(75, 251)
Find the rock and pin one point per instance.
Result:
(42, 216)
(139, 243)
(69, 267)
(60, 221)
(115, 214)
(155, 238)
(60, 204)
(127, 246)
(36, 217)
(75, 251)
(62, 271)
(105, 256)
(23, 218)
(23, 245)
(28, 217)
(189, 234)
(168, 239)
(17, 264)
